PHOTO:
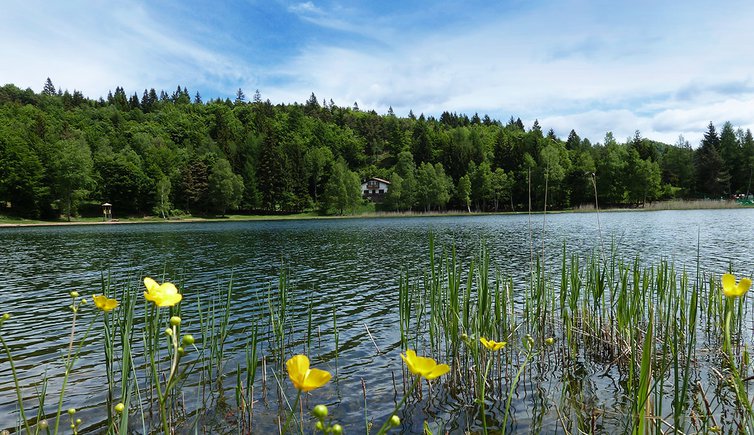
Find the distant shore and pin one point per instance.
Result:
(10, 222)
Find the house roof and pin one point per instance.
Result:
(380, 180)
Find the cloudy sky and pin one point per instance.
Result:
(666, 68)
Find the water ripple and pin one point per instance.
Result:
(347, 266)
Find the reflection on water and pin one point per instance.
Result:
(348, 265)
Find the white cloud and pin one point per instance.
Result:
(304, 8)
(123, 46)
(588, 66)
(592, 76)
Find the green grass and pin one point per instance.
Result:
(362, 211)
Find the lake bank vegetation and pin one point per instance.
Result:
(362, 211)
(171, 154)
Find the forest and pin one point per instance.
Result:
(171, 154)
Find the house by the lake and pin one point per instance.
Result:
(375, 189)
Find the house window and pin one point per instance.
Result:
(382, 191)
(366, 192)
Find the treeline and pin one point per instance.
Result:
(168, 153)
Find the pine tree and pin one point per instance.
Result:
(730, 152)
(48, 89)
(133, 102)
(312, 102)
(145, 101)
(574, 141)
(240, 97)
(712, 178)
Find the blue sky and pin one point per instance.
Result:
(666, 68)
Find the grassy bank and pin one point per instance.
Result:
(366, 212)
(675, 204)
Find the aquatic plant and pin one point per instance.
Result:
(495, 347)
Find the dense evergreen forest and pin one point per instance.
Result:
(168, 153)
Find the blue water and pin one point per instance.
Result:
(351, 266)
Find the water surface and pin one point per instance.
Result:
(351, 266)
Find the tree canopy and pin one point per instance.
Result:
(162, 153)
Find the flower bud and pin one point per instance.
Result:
(320, 411)
(395, 421)
(120, 407)
(74, 294)
(168, 332)
(6, 316)
(181, 351)
(550, 341)
(528, 342)
(175, 320)
(71, 411)
(78, 422)
(337, 429)
(83, 301)
(319, 426)
(43, 424)
(187, 340)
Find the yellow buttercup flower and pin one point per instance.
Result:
(492, 344)
(423, 366)
(303, 377)
(104, 303)
(733, 290)
(163, 295)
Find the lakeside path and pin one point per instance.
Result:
(660, 206)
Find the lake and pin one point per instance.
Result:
(350, 266)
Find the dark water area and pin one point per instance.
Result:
(351, 266)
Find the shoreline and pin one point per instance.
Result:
(674, 205)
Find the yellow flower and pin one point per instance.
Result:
(424, 367)
(492, 344)
(163, 295)
(103, 303)
(731, 290)
(304, 378)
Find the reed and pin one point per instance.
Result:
(654, 331)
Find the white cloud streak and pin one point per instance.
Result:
(110, 45)
(666, 75)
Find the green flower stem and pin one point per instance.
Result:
(18, 388)
(726, 339)
(293, 410)
(152, 342)
(737, 382)
(162, 396)
(513, 388)
(70, 360)
(386, 425)
(176, 357)
(481, 396)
